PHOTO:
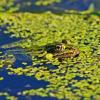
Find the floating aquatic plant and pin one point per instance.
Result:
(46, 2)
(71, 78)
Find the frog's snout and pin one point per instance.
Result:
(76, 52)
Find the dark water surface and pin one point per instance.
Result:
(60, 7)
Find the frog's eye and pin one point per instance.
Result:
(58, 47)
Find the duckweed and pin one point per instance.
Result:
(72, 78)
(7, 96)
(13, 5)
(49, 56)
(46, 2)
(1, 78)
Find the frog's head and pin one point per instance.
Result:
(54, 48)
(58, 47)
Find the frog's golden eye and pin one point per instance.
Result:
(58, 47)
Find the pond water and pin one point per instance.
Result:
(14, 83)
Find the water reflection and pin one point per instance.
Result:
(55, 7)
(35, 98)
(13, 83)
(18, 54)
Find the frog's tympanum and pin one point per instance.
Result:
(62, 50)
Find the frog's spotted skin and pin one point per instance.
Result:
(67, 54)
(62, 50)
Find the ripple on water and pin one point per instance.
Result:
(17, 56)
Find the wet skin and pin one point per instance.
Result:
(62, 50)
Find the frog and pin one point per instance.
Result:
(62, 50)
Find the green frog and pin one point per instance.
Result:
(62, 50)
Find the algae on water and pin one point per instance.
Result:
(73, 78)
